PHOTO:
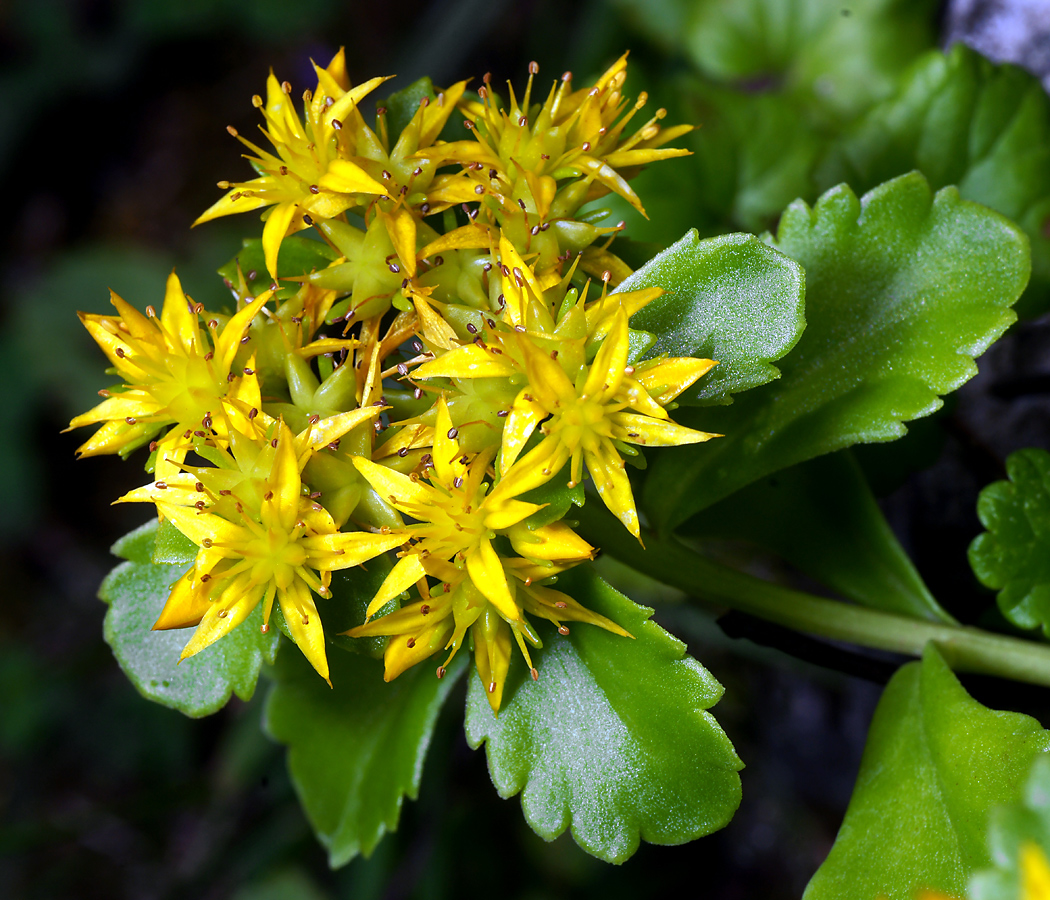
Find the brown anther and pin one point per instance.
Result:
(120, 352)
(230, 378)
(283, 170)
(252, 413)
(337, 125)
(453, 433)
(563, 629)
(523, 121)
(199, 504)
(403, 452)
(199, 487)
(206, 543)
(468, 124)
(457, 482)
(245, 339)
(492, 687)
(268, 495)
(410, 643)
(273, 443)
(264, 629)
(561, 604)
(315, 495)
(161, 486)
(606, 275)
(441, 672)
(314, 189)
(225, 493)
(479, 189)
(534, 68)
(424, 610)
(314, 419)
(131, 420)
(286, 87)
(200, 433)
(534, 673)
(209, 355)
(152, 446)
(394, 267)
(334, 445)
(307, 220)
(231, 130)
(503, 412)
(248, 371)
(223, 613)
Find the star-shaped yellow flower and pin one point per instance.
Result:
(173, 375)
(260, 539)
(455, 539)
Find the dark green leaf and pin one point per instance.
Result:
(136, 592)
(1012, 827)
(903, 290)
(559, 497)
(821, 517)
(731, 298)
(936, 761)
(838, 57)
(355, 750)
(1013, 555)
(962, 120)
(352, 591)
(613, 740)
(402, 105)
(297, 256)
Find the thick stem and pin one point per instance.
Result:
(668, 560)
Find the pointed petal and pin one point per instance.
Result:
(275, 231)
(304, 624)
(213, 625)
(344, 549)
(406, 572)
(468, 361)
(492, 650)
(401, 226)
(606, 372)
(400, 656)
(400, 490)
(613, 486)
(486, 571)
(650, 432)
(227, 343)
(185, 606)
(521, 422)
(668, 378)
(556, 541)
(346, 177)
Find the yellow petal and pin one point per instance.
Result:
(304, 624)
(400, 490)
(536, 467)
(666, 379)
(556, 541)
(234, 611)
(344, 549)
(606, 371)
(241, 199)
(486, 571)
(185, 606)
(447, 459)
(275, 231)
(647, 431)
(406, 572)
(400, 656)
(492, 649)
(520, 423)
(346, 177)
(613, 486)
(179, 321)
(401, 226)
(548, 382)
(284, 483)
(504, 513)
(436, 331)
(331, 428)
(203, 526)
(227, 343)
(474, 236)
(468, 361)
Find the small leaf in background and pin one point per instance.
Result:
(962, 120)
(402, 105)
(1013, 555)
(1018, 840)
(355, 750)
(822, 518)
(297, 256)
(936, 761)
(613, 740)
(838, 57)
(732, 299)
(903, 290)
(136, 592)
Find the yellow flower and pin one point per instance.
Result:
(588, 413)
(173, 375)
(535, 165)
(332, 161)
(260, 539)
(454, 540)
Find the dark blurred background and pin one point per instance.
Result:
(112, 136)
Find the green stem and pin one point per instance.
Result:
(668, 560)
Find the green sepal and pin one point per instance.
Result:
(1013, 555)
(733, 299)
(402, 105)
(357, 749)
(613, 740)
(1011, 828)
(822, 518)
(903, 290)
(136, 591)
(298, 256)
(962, 120)
(935, 762)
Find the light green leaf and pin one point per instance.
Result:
(822, 518)
(731, 298)
(613, 740)
(355, 750)
(136, 592)
(903, 290)
(1013, 555)
(962, 120)
(936, 761)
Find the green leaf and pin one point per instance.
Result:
(136, 592)
(613, 739)
(903, 290)
(297, 256)
(822, 518)
(357, 749)
(731, 298)
(170, 546)
(1011, 827)
(837, 56)
(559, 497)
(1013, 555)
(936, 761)
(962, 120)
(402, 105)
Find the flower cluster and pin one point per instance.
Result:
(420, 394)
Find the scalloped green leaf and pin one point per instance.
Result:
(357, 749)
(733, 299)
(136, 591)
(903, 290)
(962, 120)
(822, 517)
(1012, 827)
(1013, 555)
(613, 741)
(935, 763)
(297, 256)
